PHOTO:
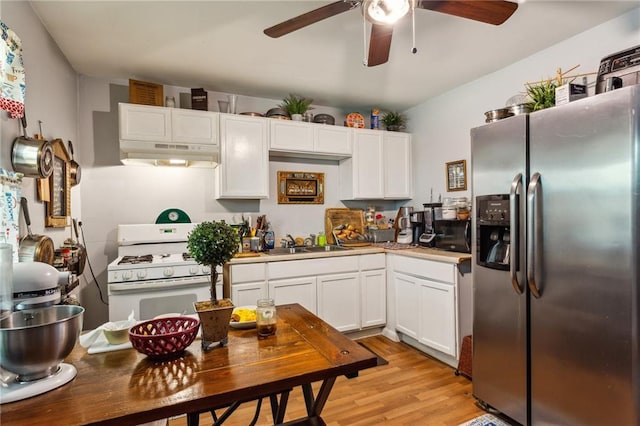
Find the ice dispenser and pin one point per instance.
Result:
(493, 231)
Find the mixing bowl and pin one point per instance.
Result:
(34, 342)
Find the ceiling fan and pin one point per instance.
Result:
(384, 13)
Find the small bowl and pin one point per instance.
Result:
(117, 332)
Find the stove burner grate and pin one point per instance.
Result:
(129, 260)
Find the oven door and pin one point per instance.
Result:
(150, 299)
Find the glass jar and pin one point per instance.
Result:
(266, 317)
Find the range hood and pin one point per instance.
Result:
(149, 153)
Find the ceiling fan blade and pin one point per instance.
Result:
(308, 18)
(488, 11)
(379, 44)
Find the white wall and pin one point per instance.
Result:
(441, 125)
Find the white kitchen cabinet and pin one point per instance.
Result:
(427, 305)
(380, 167)
(373, 288)
(339, 300)
(294, 290)
(301, 139)
(248, 294)
(407, 304)
(160, 124)
(248, 283)
(437, 328)
(398, 174)
(243, 172)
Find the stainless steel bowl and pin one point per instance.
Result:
(34, 342)
(324, 119)
(497, 114)
(277, 112)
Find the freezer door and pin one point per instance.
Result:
(584, 208)
(498, 155)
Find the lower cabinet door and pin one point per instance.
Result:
(407, 304)
(339, 300)
(294, 290)
(373, 287)
(438, 316)
(248, 293)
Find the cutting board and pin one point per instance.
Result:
(336, 217)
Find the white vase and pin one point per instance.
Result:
(296, 117)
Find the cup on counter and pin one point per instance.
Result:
(266, 318)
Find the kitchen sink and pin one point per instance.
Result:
(317, 249)
(299, 250)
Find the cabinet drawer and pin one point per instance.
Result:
(247, 273)
(438, 271)
(372, 261)
(308, 267)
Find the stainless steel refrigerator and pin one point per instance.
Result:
(556, 300)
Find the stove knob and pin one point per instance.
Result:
(142, 274)
(168, 272)
(193, 270)
(126, 275)
(206, 269)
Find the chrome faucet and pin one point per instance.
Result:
(291, 242)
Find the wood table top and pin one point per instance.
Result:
(125, 387)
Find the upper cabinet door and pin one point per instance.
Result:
(398, 176)
(194, 126)
(244, 157)
(290, 136)
(334, 140)
(368, 160)
(144, 123)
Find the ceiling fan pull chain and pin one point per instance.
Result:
(413, 25)
(364, 41)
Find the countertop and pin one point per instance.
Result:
(419, 252)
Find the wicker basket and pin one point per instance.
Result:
(466, 354)
(162, 337)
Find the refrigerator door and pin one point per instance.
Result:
(584, 324)
(498, 155)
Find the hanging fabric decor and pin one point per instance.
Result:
(11, 73)
(10, 193)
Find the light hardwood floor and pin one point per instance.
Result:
(413, 389)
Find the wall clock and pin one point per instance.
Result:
(59, 205)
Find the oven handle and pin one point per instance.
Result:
(160, 284)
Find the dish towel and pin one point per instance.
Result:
(11, 73)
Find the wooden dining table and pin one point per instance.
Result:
(126, 387)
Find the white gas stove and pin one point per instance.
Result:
(153, 273)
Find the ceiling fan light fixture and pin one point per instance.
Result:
(385, 12)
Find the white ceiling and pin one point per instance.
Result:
(220, 46)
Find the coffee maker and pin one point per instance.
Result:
(417, 226)
(431, 213)
(403, 225)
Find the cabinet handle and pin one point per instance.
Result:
(534, 235)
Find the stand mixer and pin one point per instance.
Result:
(403, 223)
(37, 336)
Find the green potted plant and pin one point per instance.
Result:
(394, 121)
(542, 95)
(296, 105)
(213, 244)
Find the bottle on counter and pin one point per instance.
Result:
(322, 239)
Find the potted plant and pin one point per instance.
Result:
(542, 95)
(296, 105)
(394, 121)
(213, 244)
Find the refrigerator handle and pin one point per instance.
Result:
(534, 234)
(514, 240)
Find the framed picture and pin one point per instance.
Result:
(457, 175)
(300, 188)
(58, 208)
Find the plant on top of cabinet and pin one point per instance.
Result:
(213, 244)
(296, 105)
(394, 121)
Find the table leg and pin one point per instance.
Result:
(315, 405)
(278, 410)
